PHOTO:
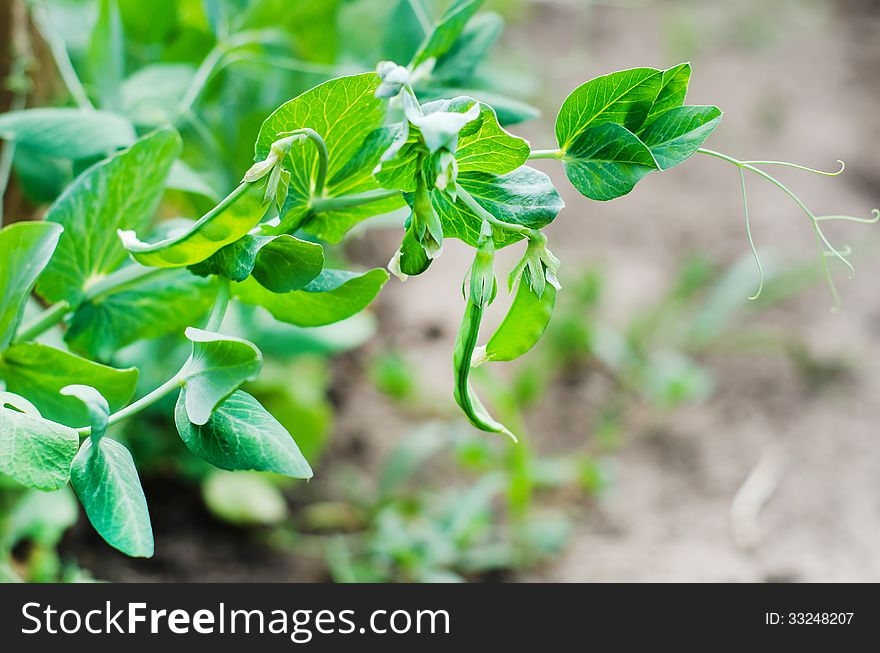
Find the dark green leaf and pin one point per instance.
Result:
(623, 98)
(242, 435)
(217, 367)
(677, 133)
(105, 479)
(525, 196)
(68, 133)
(607, 161)
(404, 33)
(39, 372)
(119, 193)
(333, 296)
(158, 306)
(25, 249)
(34, 451)
(280, 263)
(673, 90)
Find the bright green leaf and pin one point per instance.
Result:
(39, 372)
(33, 450)
(279, 263)
(234, 217)
(677, 133)
(333, 296)
(491, 148)
(216, 368)
(119, 193)
(164, 304)
(68, 133)
(673, 90)
(105, 479)
(242, 435)
(623, 98)
(25, 249)
(525, 196)
(347, 115)
(607, 161)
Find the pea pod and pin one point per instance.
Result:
(230, 220)
(521, 328)
(465, 397)
(410, 259)
(479, 296)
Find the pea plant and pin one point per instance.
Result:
(352, 147)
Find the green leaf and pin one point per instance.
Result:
(525, 196)
(230, 220)
(95, 404)
(122, 192)
(68, 133)
(347, 115)
(242, 435)
(158, 306)
(106, 54)
(279, 263)
(458, 64)
(623, 98)
(34, 451)
(333, 296)
(105, 479)
(25, 249)
(676, 134)
(244, 498)
(403, 34)
(216, 368)
(490, 148)
(673, 90)
(447, 31)
(39, 372)
(607, 161)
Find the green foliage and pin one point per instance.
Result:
(426, 137)
(34, 451)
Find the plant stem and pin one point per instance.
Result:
(320, 204)
(546, 154)
(221, 303)
(61, 57)
(147, 400)
(43, 322)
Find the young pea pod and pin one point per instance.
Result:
(521, 328)
(234, 217)
(480, 295)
